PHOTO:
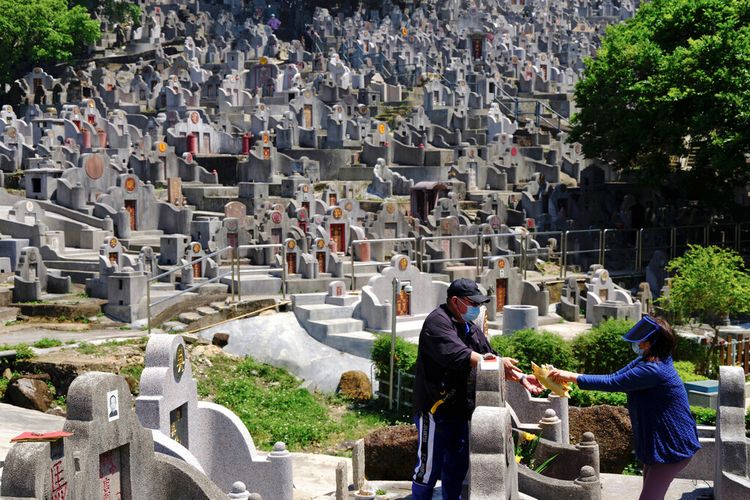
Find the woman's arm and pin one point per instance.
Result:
(635, 376)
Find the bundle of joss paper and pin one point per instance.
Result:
(542, 375)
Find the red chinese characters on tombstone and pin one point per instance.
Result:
(59, 484)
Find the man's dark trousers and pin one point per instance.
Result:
(442, 453)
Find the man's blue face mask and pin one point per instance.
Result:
(471, 314)
(472, 311)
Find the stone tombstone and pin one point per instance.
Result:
(202, 432)
(31, 276)
(235, 209)
(109, 455)
(418, 294)
(174, 191)
(493, 471)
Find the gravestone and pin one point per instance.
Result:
(108, 454)
(204, 432)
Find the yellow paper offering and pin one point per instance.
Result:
(542, 375)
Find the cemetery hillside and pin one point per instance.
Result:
(398, 249)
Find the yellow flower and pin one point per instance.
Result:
(527, 436)
(518, 459)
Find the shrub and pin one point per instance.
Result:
(687, 372)
(581, 398)
(704, 416)
(24, 352)
(601, 349)
(405, 355)
(531, 345)
(47, 342)
(689, 349)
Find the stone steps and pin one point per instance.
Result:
(320, 329)
(356, 343)
(322, 312)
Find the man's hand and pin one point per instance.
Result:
(531, 384)
(512, 372)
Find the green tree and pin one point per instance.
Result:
(709, 284)
(38, 32)
(117, 11)
(672, 80)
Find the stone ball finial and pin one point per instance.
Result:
(279, 446)
(549, 413)
(587, 474)
(254, 496)
(588, 438)
(239, 491)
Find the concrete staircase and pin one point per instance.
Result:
(332, 323)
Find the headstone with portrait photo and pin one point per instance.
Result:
(107, 455)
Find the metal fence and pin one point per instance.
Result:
(622, 251)
(736, 352)
(402, 390)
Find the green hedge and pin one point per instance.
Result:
(405, 355)
(601, 350)
(537, 346)
(581, 398)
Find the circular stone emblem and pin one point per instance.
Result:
(179, 363)
(320, 244)
(390, 208)
(305, 188)
(162, 147)
(29, 206)
(381, 128)
(337, 213)
(291, 245)
(501, 264)
(196, 247)
(94, 167)
(113, 242)
(348, 206)
(263, 60)
(130, 184)
(276, 217)
(195, 117)
(403, 263)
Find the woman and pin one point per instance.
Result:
(664, 431)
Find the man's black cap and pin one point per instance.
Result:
(464, 287)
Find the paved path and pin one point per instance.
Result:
(30, 333)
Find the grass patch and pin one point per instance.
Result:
(274, 408)
(101, 349)
(23, 351)
(3, 386)
(46, 343)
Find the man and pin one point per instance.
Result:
(450, 348)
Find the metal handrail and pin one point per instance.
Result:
(179, 269)
(194, 287)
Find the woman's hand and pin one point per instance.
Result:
(563, 375)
